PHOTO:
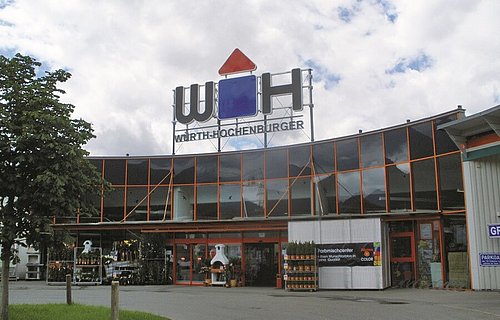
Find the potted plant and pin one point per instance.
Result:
(291, 250)
(232, 271)
(301, 250)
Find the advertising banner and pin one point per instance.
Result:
(349, 255)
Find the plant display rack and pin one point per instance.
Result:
(301, 271)
(59, 263)
(88, 267)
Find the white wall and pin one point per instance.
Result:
(346, 231)
(482, 190)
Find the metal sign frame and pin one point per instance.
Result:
(198, 117)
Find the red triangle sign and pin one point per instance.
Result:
(237, 62)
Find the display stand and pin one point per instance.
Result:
(59, 264)
(123, 271)
(33, 266)
(301, 273)
(88, 266)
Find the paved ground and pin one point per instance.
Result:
(216, 303)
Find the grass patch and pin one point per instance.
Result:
(73, 312)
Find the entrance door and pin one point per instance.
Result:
(261, 264)
(402, 258)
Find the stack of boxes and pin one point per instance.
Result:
(458, 273)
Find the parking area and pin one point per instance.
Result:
(187, 303)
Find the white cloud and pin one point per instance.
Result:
(127, 57)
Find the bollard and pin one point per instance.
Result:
(68, 289)
(115, 290)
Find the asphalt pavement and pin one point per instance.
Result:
(216, 303)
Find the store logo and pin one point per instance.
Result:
(235, 97)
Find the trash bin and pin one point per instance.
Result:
(278, 281)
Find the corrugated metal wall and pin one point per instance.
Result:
(482, 190)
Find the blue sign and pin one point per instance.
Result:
(494, 230)
(489, 259)
(238, 97)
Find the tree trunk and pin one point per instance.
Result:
(4, 313)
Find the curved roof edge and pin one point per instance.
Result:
(458, 110)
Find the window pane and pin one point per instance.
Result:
(253, 166)
(451, 189)
(97, 164)
(349, 193)
(183, 262)
(253, 197)
(325, 195)
(206, 169)
(277, 198)
(323, 157)
(114, 171)
(183, 203)
(276, 164)
(347, 155)
(184, 170)
(89, 215)
(421, 140)
(396, 146)
(230, 168)
(424, 184)
(157, 201)
(444, 144)
(206, 202)
(371, 150)
(374, 190)
(114, 205)
(160, 171)
(299, 161)
(137, 198)
(137, 172)
(398, 184)
(300, 195)
(230, 202)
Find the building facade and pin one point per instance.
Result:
(165, 214)
(478, 137)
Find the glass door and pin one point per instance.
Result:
(402, 258)
(429, 254)
(261, 264)
(190, 260)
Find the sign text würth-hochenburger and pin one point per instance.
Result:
(241, 131)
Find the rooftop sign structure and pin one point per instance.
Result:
(243, 105)
(236, 63)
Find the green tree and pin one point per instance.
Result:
(43, 169)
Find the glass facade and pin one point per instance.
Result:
(244, 200)
(411, 167)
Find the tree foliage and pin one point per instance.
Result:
(43, 169)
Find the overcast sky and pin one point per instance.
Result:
(375, 63)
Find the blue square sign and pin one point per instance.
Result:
(238, 97)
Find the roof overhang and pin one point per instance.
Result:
(486, 123)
